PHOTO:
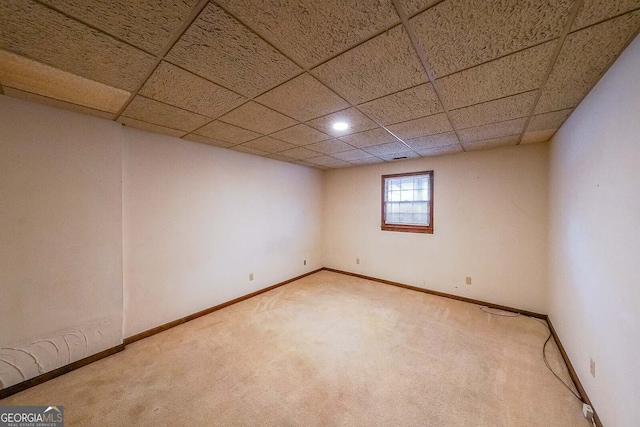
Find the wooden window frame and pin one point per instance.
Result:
(425, 229)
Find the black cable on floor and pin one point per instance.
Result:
(544, 348)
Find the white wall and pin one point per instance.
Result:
(60, 238)
(594, 241)
(199, 219)
(490, 224)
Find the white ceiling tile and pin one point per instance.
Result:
(33, 30)
(322, 160)
(510, 75)
(155, 112)
(257, 118)
(303, 98)
(300, 134)
(499, 110)
(300, 153)
(28, 96)
(491, 143)
(269, 145)
(490, 131)
(351, 155)
(585, 56)
(594, 11)
(412, 6)
(368, 138)
(150, 127)
(330, 146)
(458, 34)
(226, 132)
(221, 49)
(383, 65)
(206, 140)
(310, 31)
(426, 142)
(440, 151)
(418, 101)
(24, 74)
(180, 88)
(438, 123)
(147, 24)
(385, 149)
(537, 136)
(367, 161)
(357, 122)
(548, 121)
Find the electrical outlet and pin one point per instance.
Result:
(357, 260)
(468, 280)
(305, 262)
(250, 277)
(592, 367)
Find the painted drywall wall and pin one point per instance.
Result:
(199, 219)
(490, 223)
(594, 240)
(60, 238)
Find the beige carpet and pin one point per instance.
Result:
(326, 350)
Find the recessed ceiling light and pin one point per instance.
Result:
(341, 126)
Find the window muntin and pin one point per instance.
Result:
(407, 202)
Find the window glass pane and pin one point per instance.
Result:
(407, 200)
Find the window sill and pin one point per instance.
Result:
(408, 228)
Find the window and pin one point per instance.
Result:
(407, 202)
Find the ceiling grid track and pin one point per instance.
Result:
(563, 36)
(425, 64)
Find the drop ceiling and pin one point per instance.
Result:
(412, 78)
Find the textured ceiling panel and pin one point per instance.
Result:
(440, 151)
(257, 118)
(594, 11)
(209, 141)
(175, 86)
(585, 56)
(269, 145)
(438, 123)
(40, 33)
(147, 24)
(399, 156)
(538, 136)
(338, 165)
(405, 105)
(491, 143)
(548, 120)
(155, 112)
(385, 149)
(310, 31)
(301, 134)
(383, 65)
(149, 127)
(247, 150)
(28, 96)
(458, 34)
(330, 146)
(219, 48)
(368, 138)
(412, 6)
(516, 73)
(226, 132)
(323, 160)
(300, 153)
(499, 110)
(425, 142)
(357, 122)
(352, 155)
(303, 98)
(21, 73)
(367, 161)
(494, 130)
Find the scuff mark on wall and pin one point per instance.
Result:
(22, 361)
